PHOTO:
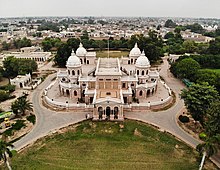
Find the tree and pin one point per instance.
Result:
(214, 46)
(85, 35)
(152, 45)
(10, 67)
(73, 43)
(14, 66)
(197, 28)
(5, 45)
(210, 76)
(21, 105)
(190, 46)
(169, 35)
(47, 45)
(207, 148)
(63, 53)
(4, 151)
(212, 125)
(185, 68)
(24, 42)
(198, 99)
(170, 24)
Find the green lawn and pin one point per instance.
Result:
(107, 145)
(216, 70)
(112, 54)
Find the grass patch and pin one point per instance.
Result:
(107, 145)
(215, 70)
(32, 118)
(113, 54)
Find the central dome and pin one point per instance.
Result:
(81, 51)
(135, 51)
(142, 61)
(73, 61)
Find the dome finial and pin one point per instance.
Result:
(143, 53)
(136, 45)
(80, 45)
(73, 53)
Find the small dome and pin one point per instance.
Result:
(142, 61)
(135, 51)
(73, 61)
(81, 51)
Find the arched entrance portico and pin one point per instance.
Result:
(100, 112)
(116, 112)
(108, 112)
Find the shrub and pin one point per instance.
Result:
(202, 135)
(10, 88)
(18, 125)
(31, 118)
(8, 132)
(183, 119)
(3, 95)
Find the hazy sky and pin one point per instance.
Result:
(145, 8)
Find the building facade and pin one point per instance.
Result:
(107, 84)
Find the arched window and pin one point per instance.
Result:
(147, 72)
(148, 92)
(132, 61)
(75, 93)
(128, 61)
(142, 73)
(68, 72)
(67, 92)
(137, 72)
(73, 72)
(78, 72)
(141, 93)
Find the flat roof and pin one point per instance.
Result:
(108, 66)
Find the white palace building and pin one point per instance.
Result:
(107, 84)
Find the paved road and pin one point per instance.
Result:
(47, 121)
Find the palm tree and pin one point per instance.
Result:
(21, 105)
(207, 149)
(4, 151)
(24, 105)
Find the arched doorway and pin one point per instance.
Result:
(108, 112)
(148, 92)
(67, 92)
(21, 85)
(83, 93)
(152, 91)
(75, 93)
(141, 93)
(100, 112)
(116, 112)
